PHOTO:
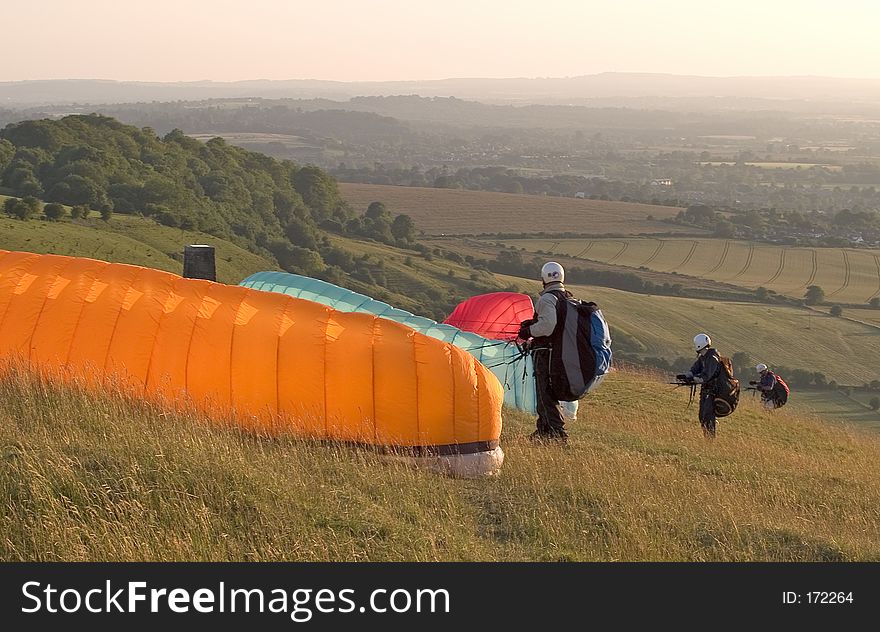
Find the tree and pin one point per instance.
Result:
(762, 294)
(725, 229)
(377, 210)
(333, 275)
(339, 259)
(301, 233)
(404, 228)
(874, 403)
(814, 295)
(874, 302)
(10, 206)
(54, 211)
(7, 151)
(741, 362)
(318, 190)
(79, 212)
(699, 214)
(107, 213)
(166, 217)
(31, 188)
(22, 209)
(295, 259)
(78, 190)
(836, 310)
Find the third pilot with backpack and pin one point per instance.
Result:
(774, 390)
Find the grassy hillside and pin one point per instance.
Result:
(102, 478)
(414, 282)
(127, 239)
(458, 212)
(847, 275)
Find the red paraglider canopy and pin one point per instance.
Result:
(496, 315)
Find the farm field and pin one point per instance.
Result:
(453, 211)
(778, 165)
(245, 139)
(835, 406)
(664, 326)
(847, 275)
(866, 314)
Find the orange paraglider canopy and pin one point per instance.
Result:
(277, 362)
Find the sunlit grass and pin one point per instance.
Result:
(85, 477)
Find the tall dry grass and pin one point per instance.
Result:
(105, 477)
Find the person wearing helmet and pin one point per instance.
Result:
(705, 371)
(767, 386)
(550, 423)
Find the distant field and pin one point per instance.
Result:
(728, 137)
(867, 315)
(779, 165)
(665, 326)
(253, 138)
(835, 406)
(847, 275)
(452, 211)
(127, 239)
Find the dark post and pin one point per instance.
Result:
(198, 262)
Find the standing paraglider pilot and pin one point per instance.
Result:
(706, 371)
(767, 386)
(541, 328)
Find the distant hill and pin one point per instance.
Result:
(523, 90)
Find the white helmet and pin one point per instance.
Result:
(701, 341)
(761, 367)
(552, 272)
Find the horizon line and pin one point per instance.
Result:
(445, 79)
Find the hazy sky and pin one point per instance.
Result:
(223, 40)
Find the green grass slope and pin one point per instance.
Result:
(414, 282)
(104, 478)
(127, 239)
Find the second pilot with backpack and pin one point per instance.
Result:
(719, 390)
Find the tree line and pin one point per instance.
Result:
(277, 209)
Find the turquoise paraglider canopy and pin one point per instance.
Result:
(504, 359)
